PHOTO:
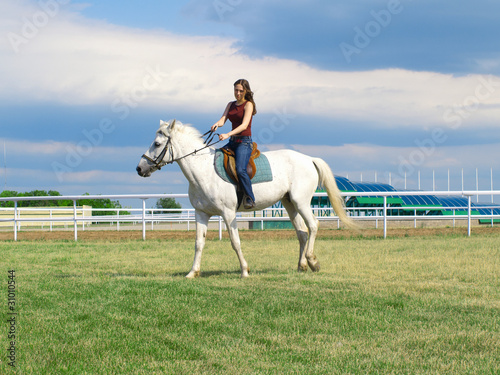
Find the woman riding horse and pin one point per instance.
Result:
(240, 113)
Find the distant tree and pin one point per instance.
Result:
(60, 202)
(8, 194)
(42, 203)
(168, 203)
(94, 203)
(34, 203)
(101, 203)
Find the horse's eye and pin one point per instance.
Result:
(157, 144)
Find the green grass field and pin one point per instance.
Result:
(418, 305)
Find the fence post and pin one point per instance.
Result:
(144, 219)
(19, 225)
(385, 216)
(152, 218)
(15, 221)
(75, 224)
(469, 198)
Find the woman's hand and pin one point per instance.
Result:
(223, 137)
(214, 127)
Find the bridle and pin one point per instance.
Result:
(159, 159)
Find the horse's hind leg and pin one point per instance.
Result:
(232, 227)
(300, 229)
(201, 233)
(304, 209)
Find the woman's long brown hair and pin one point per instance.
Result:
(248, 93)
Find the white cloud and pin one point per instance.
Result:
(16, 148)
(52, 150)
(363, 157)
(80, 61)
(94, 181)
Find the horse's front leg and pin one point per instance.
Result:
(232, 225)
(201, 234)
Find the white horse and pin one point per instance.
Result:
(295, 179)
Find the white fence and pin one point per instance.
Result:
(49, 214)
(147, 215)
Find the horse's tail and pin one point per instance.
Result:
(327, 181)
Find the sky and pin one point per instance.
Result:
(398, 91)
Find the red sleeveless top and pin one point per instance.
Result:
(235, 115)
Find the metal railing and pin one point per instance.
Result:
(144, 218)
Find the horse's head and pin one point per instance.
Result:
(160, 151)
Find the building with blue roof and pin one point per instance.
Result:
(401, 205)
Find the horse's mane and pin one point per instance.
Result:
(183, 130)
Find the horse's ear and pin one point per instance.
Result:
(162, 122)
(172, 124)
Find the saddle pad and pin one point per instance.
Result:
(263, 174)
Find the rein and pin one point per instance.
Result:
(157, 162)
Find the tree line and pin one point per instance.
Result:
(94, 203)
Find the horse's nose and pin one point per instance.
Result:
(138, 169)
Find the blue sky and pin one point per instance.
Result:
(376, 88)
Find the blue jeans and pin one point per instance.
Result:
(242, 149)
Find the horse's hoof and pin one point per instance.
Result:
(302, 268)
(193, 275)
(314, 265)
(244, 274)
